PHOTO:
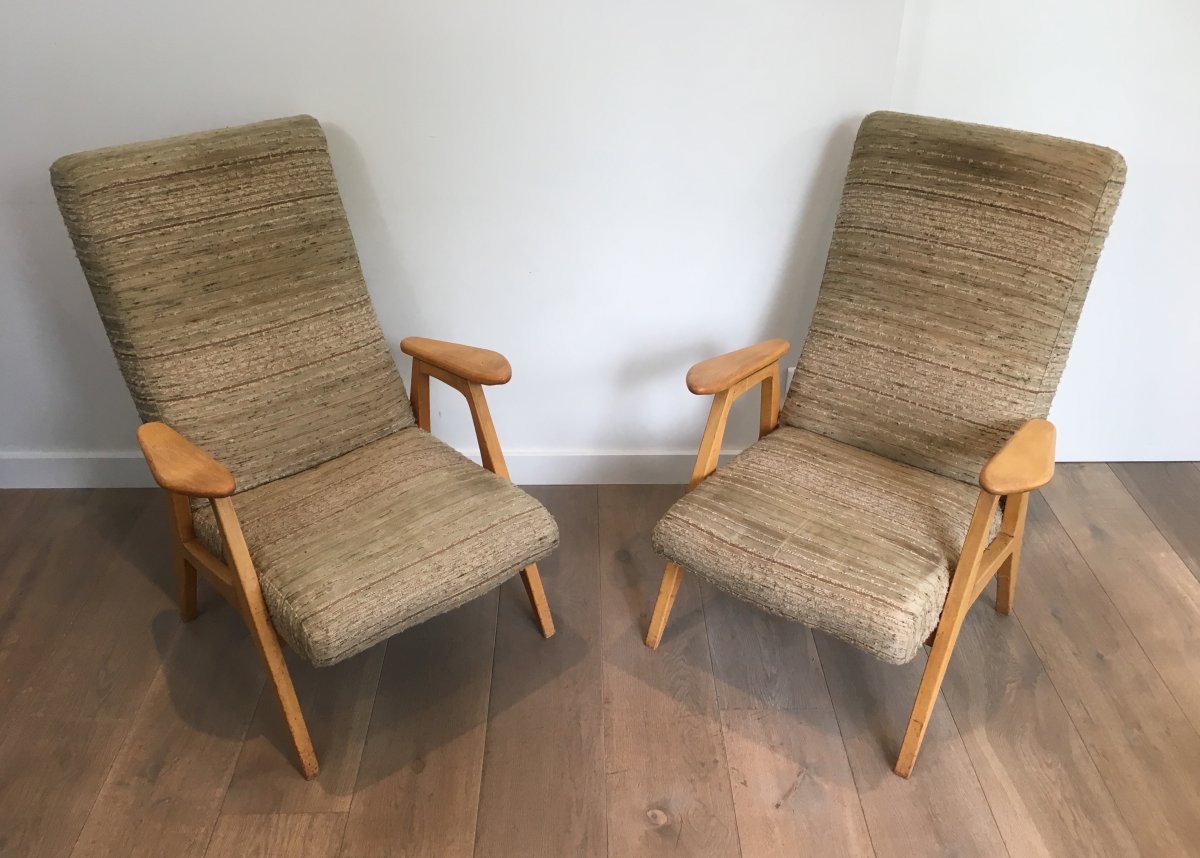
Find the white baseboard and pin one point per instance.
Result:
(126, 468)
(73, 469)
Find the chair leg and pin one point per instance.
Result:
(254, 611)
(667, 591)
(958, 602)
(285, 693)
(537, 598)
(180, 513)
(927, 693)
(185, 576)
(1006, 581)
(1015, 509)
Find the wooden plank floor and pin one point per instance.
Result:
(1071, 727)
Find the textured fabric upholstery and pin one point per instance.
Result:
(365, 545)
(959, 263)
(228, 282)
(828, 535)
(227, 279)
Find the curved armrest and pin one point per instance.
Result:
(1024, 463)
(180, 466)
(481, 366)
(724, 371)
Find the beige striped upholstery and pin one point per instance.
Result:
(958, 267)
(226, 276)
(827, 535)
(365, 545)
(957, 271)
(228, 282)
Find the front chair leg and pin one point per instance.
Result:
(958, 602)
(667, 591)
(254, 611)
(707, 458)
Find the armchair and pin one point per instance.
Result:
(870, 507)
(302, 485)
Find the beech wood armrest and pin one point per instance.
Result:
(180, 466)
(481, 366)
(1024, 463)
(724, 371)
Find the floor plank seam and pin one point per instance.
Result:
(603, 673)
(487, 722)
(370, 718)
(1150, 514)
(737, 828)
(846, 751)
(1101, 774)
(1189, 717)
(971, 761)
(120, 749)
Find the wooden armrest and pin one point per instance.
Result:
(180, 466)
(1024, 463)
(478, 365)
(724, 371)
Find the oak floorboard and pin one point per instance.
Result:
(164, 791)
(336, 702)
(761, 661)
(793, 791)
(543, 766)
(1139, 738)
(1153, 589)
(1168, 492)
(667, 777)
(277, 835)
(941, 809)
(83, 623)
(417, 791)
(1044, 790)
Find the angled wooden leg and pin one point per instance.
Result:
(958, 602)
(254, 610)
(493, 460)
(1013, 524)
(537, 598)
(180, 524)
(707, 458)
(667, 591)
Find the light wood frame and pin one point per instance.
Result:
(1024, 464)
(185, 472)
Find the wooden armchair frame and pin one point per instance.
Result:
(1025, 463)
(185, 471)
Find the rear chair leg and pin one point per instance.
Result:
(667, 591)
(180, 512)
(1013, 524)
(537, 598)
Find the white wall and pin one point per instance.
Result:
(605, 192)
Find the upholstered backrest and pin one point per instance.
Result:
(959, 264)
(227, 279)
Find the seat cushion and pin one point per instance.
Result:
(382, 538)
(828, 535)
